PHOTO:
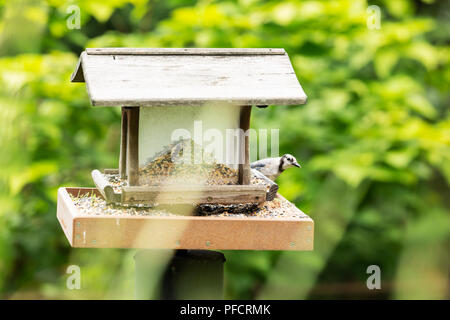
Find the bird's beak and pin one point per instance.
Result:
(297, 165)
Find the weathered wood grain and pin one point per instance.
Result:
(244, 150)
(225, 194)
(110, 171)
(189, 79)
(273, 187)
(184, 51)
(105, 188)
(67, 212)
(182, 232)
(100, 182)
(132, 145)
(123, 145)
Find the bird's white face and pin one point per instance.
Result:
(289, 161)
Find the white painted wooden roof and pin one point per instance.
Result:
(194, 76)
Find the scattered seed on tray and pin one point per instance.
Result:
(94, 205)
(91, 204)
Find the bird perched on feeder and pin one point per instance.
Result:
(273, 167)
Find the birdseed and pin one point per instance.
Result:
(118, 183)
(91, 204)
(166, 168)
(169, 167)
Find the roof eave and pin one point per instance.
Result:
(105, 102)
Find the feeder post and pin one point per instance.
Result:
(133, 145)
(189, 275)
(244, 146)
(123, 145)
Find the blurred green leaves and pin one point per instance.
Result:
(373, 140)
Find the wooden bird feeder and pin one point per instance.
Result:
(161, 91)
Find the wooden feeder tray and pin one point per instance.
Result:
(286, 229)
(179, 194)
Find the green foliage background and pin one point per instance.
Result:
(374, 140)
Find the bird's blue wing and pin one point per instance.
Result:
(257, 165)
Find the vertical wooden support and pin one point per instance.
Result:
(133, 145)
(123, 145)
(244, 124)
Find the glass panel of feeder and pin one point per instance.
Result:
(189, 144)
